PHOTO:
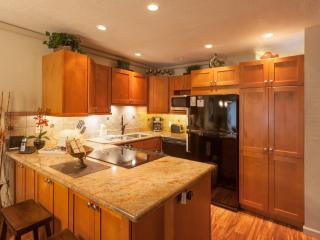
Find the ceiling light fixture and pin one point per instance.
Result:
(208, 46)
(153, 7)
(101, 27)
(267, 35)
(138, 54)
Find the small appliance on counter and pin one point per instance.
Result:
(177, 128)
(157, 124)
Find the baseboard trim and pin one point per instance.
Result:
(312, 232)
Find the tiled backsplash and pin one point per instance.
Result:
(136, 118)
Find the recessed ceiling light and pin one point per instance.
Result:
(138, 54)
(153, 7)
(101, 27)
(208, 46)
(267, 35)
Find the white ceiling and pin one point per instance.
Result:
(177, 32)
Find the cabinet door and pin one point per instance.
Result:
(226, 76)
(182, 83)
(82, 217)
(29, 183)
(202, 78)
(158, 94)
(193, 220)
(20, 182)
(75, 90)
(254, 73)
(114, 226)
(287, 71)
(45, 192)
(60, 207)
(286, 140)
(253, 165)
(138, 89)
(120, 86)
(153, 144)
(103, 89)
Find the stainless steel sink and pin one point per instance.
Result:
(137, 135)
(118, 138)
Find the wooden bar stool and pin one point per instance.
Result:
(64, 235)
(25, 217)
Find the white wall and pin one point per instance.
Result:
(312, 130)
(21, 54)
(21, 69)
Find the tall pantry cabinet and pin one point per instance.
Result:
(272, 138)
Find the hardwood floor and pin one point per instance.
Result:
(228, 225)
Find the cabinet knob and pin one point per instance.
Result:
(271, 149)
(270, 80)
(95, 207)
(265, 81)
(265, 149)
(89, 204)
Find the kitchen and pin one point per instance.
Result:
(121, 139)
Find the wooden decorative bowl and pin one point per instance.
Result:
(80, 156)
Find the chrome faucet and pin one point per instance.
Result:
(123, 125)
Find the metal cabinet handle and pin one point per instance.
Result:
(271, 149)
(265, 81)
(265, 149)
(271, 80)
(89, 204)
(95, 207)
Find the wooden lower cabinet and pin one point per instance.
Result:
(271, 152)
(24, 183)
(152, 144)
(91, 222)
(286, 167)
(54, 197)
(254, 164)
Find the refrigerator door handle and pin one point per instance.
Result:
(187, 143)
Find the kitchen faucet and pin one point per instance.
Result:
(123, 125)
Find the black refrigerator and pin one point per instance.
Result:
(213, 137)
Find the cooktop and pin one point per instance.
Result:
(125, 156)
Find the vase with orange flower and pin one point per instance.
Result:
(41, 122)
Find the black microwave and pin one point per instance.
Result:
(179, 102)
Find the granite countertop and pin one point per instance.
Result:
(132, 192)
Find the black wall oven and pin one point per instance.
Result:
(213, 130)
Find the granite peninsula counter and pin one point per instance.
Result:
(132, 193)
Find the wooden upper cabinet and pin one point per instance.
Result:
(158, 94)
(138, 89)
(202, 78)
(120, 86)
(226, 76)
(253, 165)
(287, 71)
(64, 83)
(99, 84)
(128, 88)
(254, 73)
(181, 83)
(286, 188)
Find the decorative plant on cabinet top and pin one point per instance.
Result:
(63, 40)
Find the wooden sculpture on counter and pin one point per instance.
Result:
(77, 150)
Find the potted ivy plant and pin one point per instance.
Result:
(59, 41)
(41, 121)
